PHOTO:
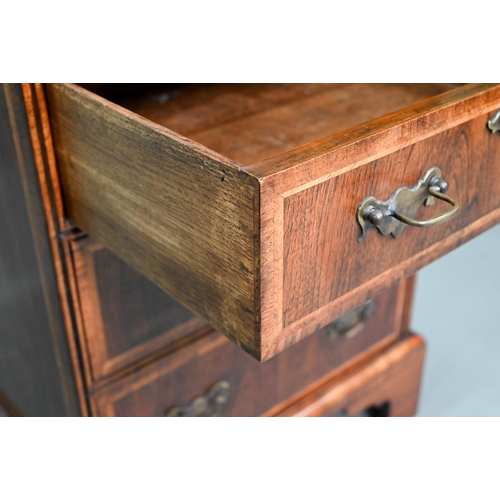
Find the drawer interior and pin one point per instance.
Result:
(252, 122)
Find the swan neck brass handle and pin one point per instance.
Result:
(393, 215)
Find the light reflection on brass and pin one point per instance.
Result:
(494, 123)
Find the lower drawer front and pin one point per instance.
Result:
(229, 382)
(123, 316)
(387, 384)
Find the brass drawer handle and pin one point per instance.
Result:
(351, 323)
(387, 216)
(209, 405)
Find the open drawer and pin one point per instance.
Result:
(245, 202)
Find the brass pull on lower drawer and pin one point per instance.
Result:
(390, 216)
(353, 322)
(209, 405)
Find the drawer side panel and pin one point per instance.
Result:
(178, 213)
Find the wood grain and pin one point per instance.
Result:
(252, 122)
(392, 376)
(267, 253)
(50, 191)
(303, 206)
(180, 214)
(190, 109)
(284, 128)
(125, 317)
(323, 258)
(190, 372)
(382, 135)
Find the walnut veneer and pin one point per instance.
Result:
(157, 238)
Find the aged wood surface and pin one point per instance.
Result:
(193, 370)
(36, 373)
(267, 253)
(180, 214)
(281, 129)
(324, 259)
(252, 122)
(309, 276)
(382, 135)
(190, 109)
(50, 191)
(125, 316)
(392, 376)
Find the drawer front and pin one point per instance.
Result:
(321, 266)
(387, 383)
(268, 253)
(203, 369)
(325, 245)
(123, 316)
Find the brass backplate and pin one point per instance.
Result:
(404, 200)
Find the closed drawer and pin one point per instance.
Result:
(245, 208)
(386, 384)
(123, 316)
(214, 367)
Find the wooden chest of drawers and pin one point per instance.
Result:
(245, 204)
